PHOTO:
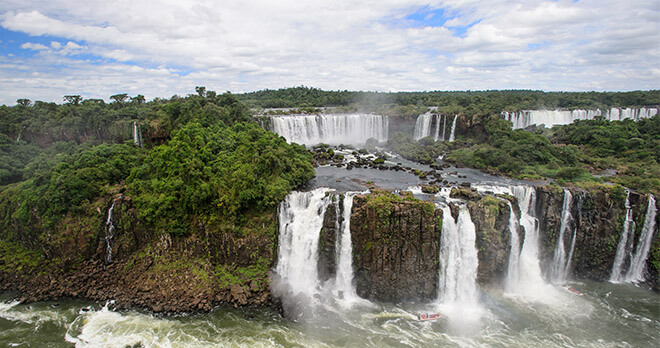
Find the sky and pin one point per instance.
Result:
(159, 48)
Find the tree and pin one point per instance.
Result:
(119, 98)
(24, 102)
(73, 99)
(201, 90)
(138, 99)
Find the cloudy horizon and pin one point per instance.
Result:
(158, 49)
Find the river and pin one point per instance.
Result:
(608, 315)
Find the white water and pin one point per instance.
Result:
(638, 264)
(624, 249)
(424, 127)
(137, 136)
(560, 261)
(331, 129)
(452, 136)
(531, 285)
(109, 234)
(550, 118)
(458, 297)
(301, 219)
(344, 278)
(513, 268)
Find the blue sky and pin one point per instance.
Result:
(95, 48)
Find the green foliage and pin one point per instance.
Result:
(205, 171)
(16, 259)
(424, 151)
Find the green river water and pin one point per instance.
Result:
(608, 315)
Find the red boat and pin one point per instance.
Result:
(574, 290)
(429, 316)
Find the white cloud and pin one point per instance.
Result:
(249, 45)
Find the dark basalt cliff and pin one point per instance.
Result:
(396, 243)
(158, 272)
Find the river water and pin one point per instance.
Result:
(608, 315)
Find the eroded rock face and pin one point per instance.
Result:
(599, 214)
(396, 244)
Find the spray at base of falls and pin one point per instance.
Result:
(561, 262)
(457, 287)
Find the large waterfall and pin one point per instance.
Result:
(561, 261)
(550, 118)
(513, 268)
(458, 258)
(301, 220)
(635, 259)
(638, 261)
(435, 125)
(624, 249)
(331, 129)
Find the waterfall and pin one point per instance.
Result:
(137, 136)
(109, 234)
(530, 281)
(423, 126)
(452, 136)
(458, 258)
(331, 129)
(560, 262)
(550, 118)
(301, 218)
(344, 277)
(638, 264)
(624, 249)
(513, 269)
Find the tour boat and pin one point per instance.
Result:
(429, 316)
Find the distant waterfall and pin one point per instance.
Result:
(137, 135)
(550, 118)
(109, 234)
(561, 261)
(433, 125)
(624, 249)
(513, 269)
(301, 219)
(452, 137)
(331, 129)
(458, 258)
(638, 264)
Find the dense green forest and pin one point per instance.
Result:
(206, 169)
(468, 102)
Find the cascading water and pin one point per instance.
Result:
(457, 286)
(624, 249)
(530, 280)
(301, 219)
(331, 129)
(638, 263)
(109, 234)
(458, 258)
(137, 136)
(560, 261)
(513, 268)
(425, 123)
(452, 136)
(344, 278)
(551, 118)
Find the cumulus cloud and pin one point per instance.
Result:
(365, 45)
